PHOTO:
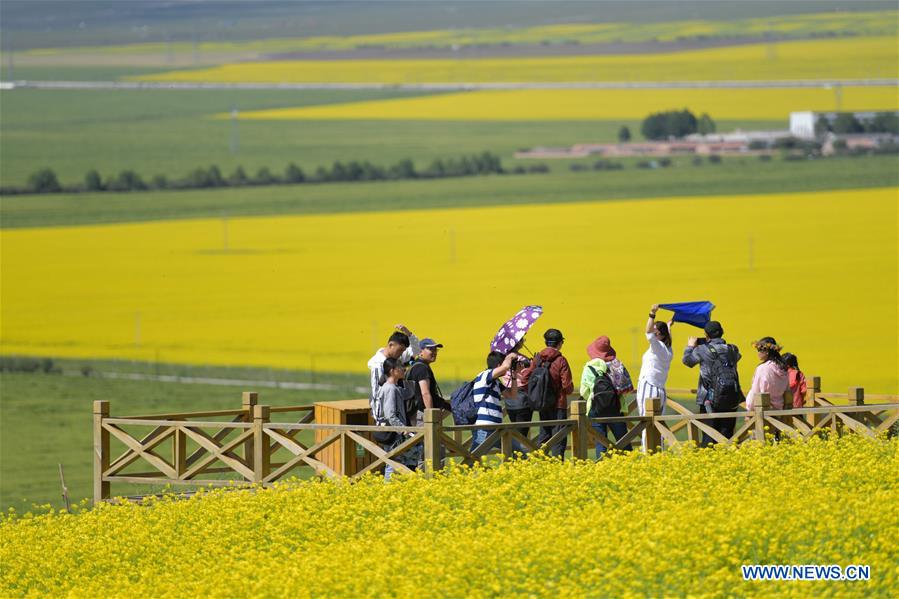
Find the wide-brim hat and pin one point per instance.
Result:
(601, 348)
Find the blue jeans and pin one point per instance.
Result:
(619, 429)
(479, 435)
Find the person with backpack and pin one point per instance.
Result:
(798, 384)
(391, 410)
(548, 383)
(655, 365)
(601, 349)
(401, 345)
(486, 392)
(770, 376)
(423, 382)
(719, 383)
(602, 399)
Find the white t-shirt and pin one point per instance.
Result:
(656, 362)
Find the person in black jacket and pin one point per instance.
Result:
(713, 347)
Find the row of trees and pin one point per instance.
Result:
(848, 123)
(485, 163)
(674, 123)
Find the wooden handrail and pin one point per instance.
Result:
(243, 448)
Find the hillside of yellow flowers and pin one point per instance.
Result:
(167, 291)
(671, 524)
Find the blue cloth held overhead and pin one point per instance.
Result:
(695, 313)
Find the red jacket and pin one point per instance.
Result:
(798, 387)
(559, 371)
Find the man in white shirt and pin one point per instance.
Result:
(402, 346)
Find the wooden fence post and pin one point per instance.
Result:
(653, 436)
(249, 401)
(579, 434)
(762, 403)
(261, 453)
(813, 388)
(179, 452)
(101, 451)
(856, 397)
(433, 427)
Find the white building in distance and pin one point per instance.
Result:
(802, 124)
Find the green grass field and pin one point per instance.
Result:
(732, 176)
(167, 132)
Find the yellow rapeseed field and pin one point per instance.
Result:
(672, 525)
(852, 58)
(818, 271)
(595, 104)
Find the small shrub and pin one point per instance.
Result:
(294, 174)
(238, 178)
(92, 181)
(127, 180)
(264, 177)
(607, 165)
(44, 181)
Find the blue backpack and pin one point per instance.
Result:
(462, 404)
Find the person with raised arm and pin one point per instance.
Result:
(656, 363)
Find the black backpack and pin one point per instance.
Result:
(606, 401)
(724, 382)
(542, 390)
(462, 402)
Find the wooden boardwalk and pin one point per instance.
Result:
(259, 444)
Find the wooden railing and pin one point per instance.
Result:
(245, 446)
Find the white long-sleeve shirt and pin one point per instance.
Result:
(376, 367)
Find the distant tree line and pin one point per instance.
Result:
(485, 163)
(848, 123)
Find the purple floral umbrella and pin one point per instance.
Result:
(515, 329)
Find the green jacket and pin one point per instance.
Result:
(588, 378)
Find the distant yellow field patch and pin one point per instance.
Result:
(840, 24)
(815, 270)
(873, 57)
(595, 104)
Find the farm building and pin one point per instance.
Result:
(802, 124)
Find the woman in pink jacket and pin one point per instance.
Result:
(770, 376)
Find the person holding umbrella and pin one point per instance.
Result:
(510, 339)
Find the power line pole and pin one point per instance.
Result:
(235, 133)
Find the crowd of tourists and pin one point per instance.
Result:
(403, 385)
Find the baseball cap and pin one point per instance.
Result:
(427, 343)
